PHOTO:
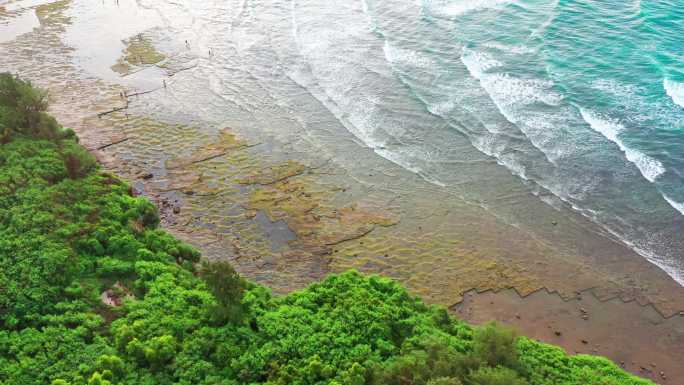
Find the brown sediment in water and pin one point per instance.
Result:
(227, 194)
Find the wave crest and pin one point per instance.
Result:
(675, 91)
(649, 167)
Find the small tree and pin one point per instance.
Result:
(9, 121)
(27, 102)
(23, 110)
(160, 350)
(495, 345)
(228, 288)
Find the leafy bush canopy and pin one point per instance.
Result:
(93, 292)
(22, 112)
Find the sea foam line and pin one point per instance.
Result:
(649, 167)
(676, 205)
(452, 9)
(675, 91)
(401, 56)
(513, 95)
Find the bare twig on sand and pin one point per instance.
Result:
(101, 114)
(112, 144)
(181, 70)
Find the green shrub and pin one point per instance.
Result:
(112, 267)
(228, 288)
(495, 376)
(495, 345)
(445, 381)
(433, 362)
(23, 111)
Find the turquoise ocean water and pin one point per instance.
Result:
(583, 98)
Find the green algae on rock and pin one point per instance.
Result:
(53, 13)
(139, 52)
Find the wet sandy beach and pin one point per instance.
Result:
(268, 180)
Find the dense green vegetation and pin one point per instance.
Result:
(72, 236)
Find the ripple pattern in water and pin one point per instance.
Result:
(578, 98)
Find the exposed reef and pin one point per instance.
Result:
(139, 52)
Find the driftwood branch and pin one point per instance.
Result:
(112, 144)
(142, 93)
(181, 70)
(139, 70)
(351, 238)
(101, 114)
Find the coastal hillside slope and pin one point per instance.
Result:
(94, 292)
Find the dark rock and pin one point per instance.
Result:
(176, 210)
(585, 342)
(149, 175)
(558, 333)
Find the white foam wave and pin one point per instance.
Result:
(676, 205)
(478, 63)
(671, 267)
(514, 49)
(406, 57)
(457, 8)
(512, 96)
(675, 91)
(615, 88)
(364, 6)
(649, 167)
(441, 108)
(505, 89)
(511, 91)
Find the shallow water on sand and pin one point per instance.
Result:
(446, 89)
(386, 107)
